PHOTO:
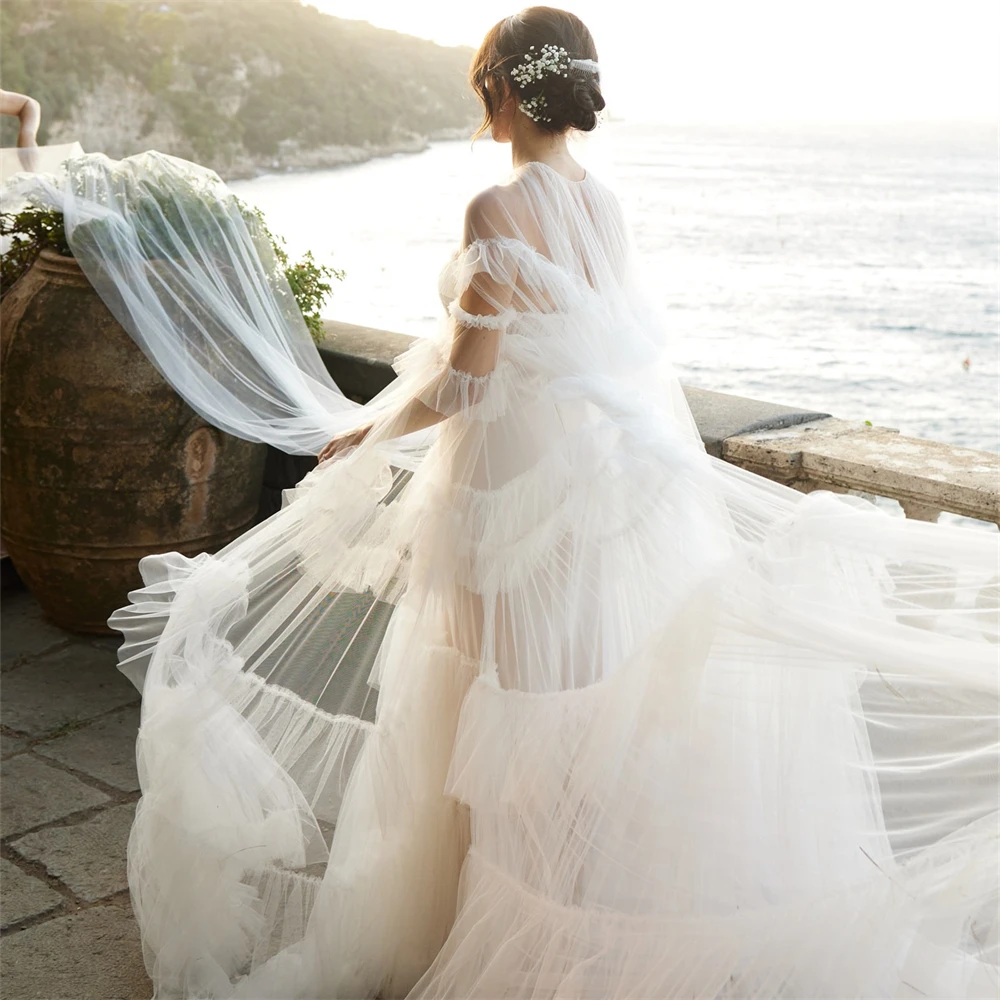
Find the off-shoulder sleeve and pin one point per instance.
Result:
(481, 291)
(479, 288)
(490, 267)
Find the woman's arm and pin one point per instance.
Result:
(471, 351)
(474, 351)
(28, 112)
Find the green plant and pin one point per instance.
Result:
(306, 279)
(34, 229)
(30, 231)
(309, 281)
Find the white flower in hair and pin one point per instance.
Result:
(551, 59)
(535, 65)
(533, 108)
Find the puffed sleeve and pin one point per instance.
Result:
(479, 286)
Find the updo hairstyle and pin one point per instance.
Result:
(566, 102)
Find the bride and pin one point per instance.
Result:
(522, 694)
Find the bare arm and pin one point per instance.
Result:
(470, 353)
(474, 350)
(28, 112)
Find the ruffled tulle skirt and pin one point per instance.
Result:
(633, 723)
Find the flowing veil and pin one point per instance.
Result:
(189, 271)
(542, 700)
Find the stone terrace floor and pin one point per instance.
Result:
(68, 789)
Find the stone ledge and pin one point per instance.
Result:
(360, 357)
(926, 477)
(796, 446)
(721, 416)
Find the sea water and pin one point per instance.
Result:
(852, 270)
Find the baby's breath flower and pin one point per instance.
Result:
(551, 59)
(533, 108)
(535, 65)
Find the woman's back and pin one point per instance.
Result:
(577, 225)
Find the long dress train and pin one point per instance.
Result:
(547, 702)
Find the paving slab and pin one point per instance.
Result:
(10, 745)
(69, 685)
(91, 955)
(89, 856)
(35, 793)
(25, 631)
(105, 749)
(22, 896)
(106, 643)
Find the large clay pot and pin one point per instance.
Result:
(102, 462)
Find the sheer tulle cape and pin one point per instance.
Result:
(544, 701)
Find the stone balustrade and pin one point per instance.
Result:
(803, 449)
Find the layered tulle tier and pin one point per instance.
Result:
(755, 778)
(873, 938)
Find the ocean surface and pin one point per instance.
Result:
(854, 270)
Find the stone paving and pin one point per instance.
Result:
(68, 789)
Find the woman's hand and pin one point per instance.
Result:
(344, 441)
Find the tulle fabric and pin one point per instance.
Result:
(47, 160)
(191, 275)
(564, 707)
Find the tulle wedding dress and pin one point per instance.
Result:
(543, 701)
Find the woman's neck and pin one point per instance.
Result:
(529, 144)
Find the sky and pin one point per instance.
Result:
(758, 61)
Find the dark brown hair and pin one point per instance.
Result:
(572, 101)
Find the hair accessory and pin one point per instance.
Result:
(533, 108)
(551, 59)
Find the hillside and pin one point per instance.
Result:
(238, 86)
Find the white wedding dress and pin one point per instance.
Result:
(545, 702)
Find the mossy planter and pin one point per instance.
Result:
(102, 462)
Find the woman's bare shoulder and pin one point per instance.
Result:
(492, 212)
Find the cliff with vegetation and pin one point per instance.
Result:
(240, 87)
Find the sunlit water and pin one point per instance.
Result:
(852, 271)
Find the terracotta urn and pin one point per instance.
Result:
(102, 462)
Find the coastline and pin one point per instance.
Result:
(291, 159)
